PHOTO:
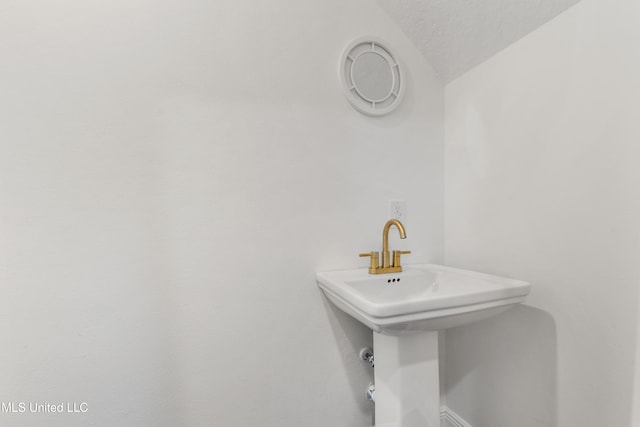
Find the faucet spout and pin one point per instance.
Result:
(385, 240)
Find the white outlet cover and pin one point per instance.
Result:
(398, 209)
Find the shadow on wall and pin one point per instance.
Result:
(350, 336)
(509, 363)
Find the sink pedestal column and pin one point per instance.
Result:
(407, 380)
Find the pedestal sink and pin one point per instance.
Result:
(405, 310)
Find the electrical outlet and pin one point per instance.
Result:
(398, 210)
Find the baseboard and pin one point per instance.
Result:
(448, 418)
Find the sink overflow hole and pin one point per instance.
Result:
(393, 280)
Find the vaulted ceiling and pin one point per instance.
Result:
(456, 35)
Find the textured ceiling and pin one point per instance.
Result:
(456, 35)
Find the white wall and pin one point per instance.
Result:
(542, 185)
(172, 174)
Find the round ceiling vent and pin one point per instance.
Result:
(372, 78)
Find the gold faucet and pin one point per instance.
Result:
(387, 266)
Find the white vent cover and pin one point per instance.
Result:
(371, 76)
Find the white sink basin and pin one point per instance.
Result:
(424, 297)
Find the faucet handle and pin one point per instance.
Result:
(373, 265)
(396, 257)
